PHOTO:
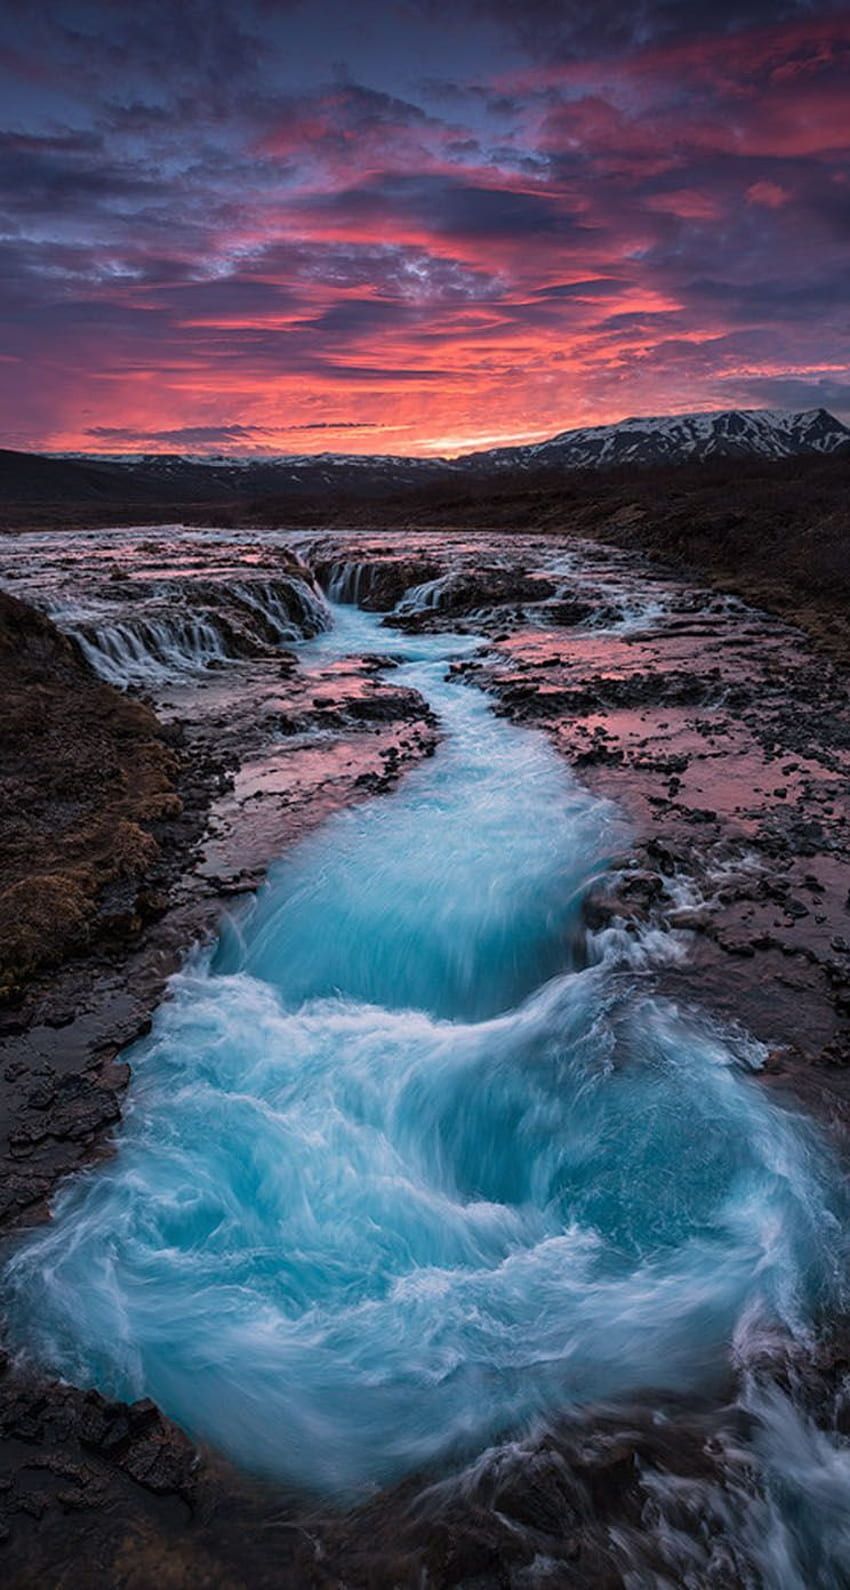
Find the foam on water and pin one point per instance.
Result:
(151, 650)
(412, 1163)
(185, 626)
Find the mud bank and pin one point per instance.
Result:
(727, 741)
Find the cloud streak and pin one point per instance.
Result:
(222, 229)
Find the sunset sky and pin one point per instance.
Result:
(416, 227)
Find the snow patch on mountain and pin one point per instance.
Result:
(680, 438)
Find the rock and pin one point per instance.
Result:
(541, 1495)
(389, 706)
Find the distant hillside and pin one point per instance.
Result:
(178, 477)
(28, 479)
(683, 438)
(35, 478)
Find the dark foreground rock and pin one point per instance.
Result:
(99, 813)
(97, 1493)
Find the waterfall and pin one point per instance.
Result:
(185, 626)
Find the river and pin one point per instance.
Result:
(416, 1163)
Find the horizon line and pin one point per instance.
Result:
(447, 449)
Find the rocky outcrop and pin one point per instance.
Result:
(478, 590)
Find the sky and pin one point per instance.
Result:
(416, 227)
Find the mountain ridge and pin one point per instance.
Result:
(636, 442)
(778, 432)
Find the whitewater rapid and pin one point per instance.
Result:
(413, 1162)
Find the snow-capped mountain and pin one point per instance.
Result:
(680, 438)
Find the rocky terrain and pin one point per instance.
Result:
(774, 533)
(713, 724)
(718, 730)
(88, 775)
(100, 811)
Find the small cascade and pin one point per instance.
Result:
(427, 597)
(142, 651)
(347, 582)
(377, 584)
(294, 609)
(187, 626)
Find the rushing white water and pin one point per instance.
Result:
(348, 580)
(173, 627)
(426, 597)
(147, 650)
(412, 1163)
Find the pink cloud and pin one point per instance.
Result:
(769, 194)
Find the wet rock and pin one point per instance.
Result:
(78, 807)
(644, 887)
(572, 611)
(541, 1495)
(743, 947)
(389, 706)
(375, 584)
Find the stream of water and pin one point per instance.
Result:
(413, 1161)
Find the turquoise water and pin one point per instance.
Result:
(412, 1162)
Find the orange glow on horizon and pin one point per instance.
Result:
(429, 270)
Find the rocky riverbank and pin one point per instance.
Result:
(725, 739)
(776, 532)
(125, 828)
